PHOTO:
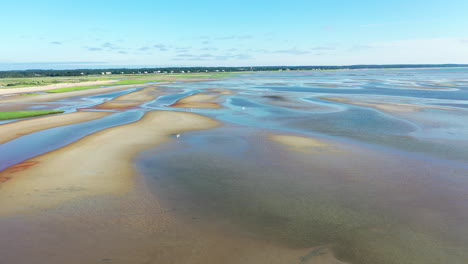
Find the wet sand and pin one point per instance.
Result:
(364, 205)
(386, 106)
(304, 144)
(131, 99)
(199, 100)
(71, 172)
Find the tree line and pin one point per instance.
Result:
(85, 72)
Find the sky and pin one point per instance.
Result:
(88, 33)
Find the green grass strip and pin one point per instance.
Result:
(21, 114)
(76, 88)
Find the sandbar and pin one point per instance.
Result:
(199, 100)
(386, 106)
(97, 164)
(304, 144)
(131, 99)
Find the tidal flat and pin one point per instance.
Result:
(351, 166)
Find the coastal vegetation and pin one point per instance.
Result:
(19, 81)
(6, 115)
(76, 88)
(125, 82)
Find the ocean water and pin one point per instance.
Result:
(395, 192)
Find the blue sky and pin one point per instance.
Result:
(231, 33)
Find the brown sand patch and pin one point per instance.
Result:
(97, 164)
(16, 129)
(146, 94)
(304, 144)
(385, 106)
(132, 99)
(22, 166)
(4, 179)
(199, 97)
(222, 91)
(117, 105)
(199, 100)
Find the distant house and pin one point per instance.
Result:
(182, 71)
(108, 73)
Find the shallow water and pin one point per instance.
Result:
(392, 189)
(369, 207)
(398, 195)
